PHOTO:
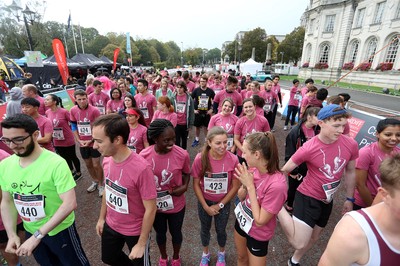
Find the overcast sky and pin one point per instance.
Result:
(200, 23)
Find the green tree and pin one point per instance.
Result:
(213, 55)
(292, 45)
(97, 44)
(254, 39)
(108, 51)
(274, 47)
(230, 51)
(173, 54)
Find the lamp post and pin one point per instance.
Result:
(28, 16)
(240, 50)
(282, 53)
(181, 54)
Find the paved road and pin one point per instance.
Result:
(381, 100)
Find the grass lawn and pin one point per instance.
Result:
(345, 85)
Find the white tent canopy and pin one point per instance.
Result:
(250, 66)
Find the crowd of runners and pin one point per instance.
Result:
(132, 132)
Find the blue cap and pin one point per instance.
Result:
(330, 110)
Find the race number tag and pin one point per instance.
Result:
(132, 148)
(297, 96)
(244, 216)
(203, 102)
(216, 184)
(164, 201)
(58, 133)
(145, 112)
(116, 197)
(330, 189)
(102, 109)
(30, 207)
(84, 129)
(230, 141)
(267, 107)
(180, 107)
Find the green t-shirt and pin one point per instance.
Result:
(45, 179)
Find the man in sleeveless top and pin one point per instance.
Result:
(370, 236)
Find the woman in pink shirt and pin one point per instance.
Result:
(370, 157)
(227, 121)
(116, 103)
(63, 138)
(262, 195)
(214, 186)
(137, 140)
(171, 168)
(165, 110)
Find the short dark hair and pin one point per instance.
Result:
(23, 121)
(97, 82)
(144, 82)
(30, 101)
(276, 76)
(114, 125)
(231, 80)
(384, 123)
(295, 81)
(322, 94)
(80, 92)
(309, 80)
(346, 96)
(182, 84)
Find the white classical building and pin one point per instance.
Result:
(347, 33)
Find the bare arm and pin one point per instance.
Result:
(201, 199)
(102, 216)
(9, 216)
(361, 183)
(236, 141)
(350, 182)
(178, 191)
(288, 167)
(46, 138)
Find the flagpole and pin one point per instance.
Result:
(80, 33)
(66, 45)
(73, 34)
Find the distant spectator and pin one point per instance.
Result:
(14, 105)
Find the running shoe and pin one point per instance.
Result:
(92, 187)
(291, 263)
(163, 262)
(285, 128)
(176, 262)
(101, 189)
(221, 259)
(205, 259)
(195, 143)
(77, 176)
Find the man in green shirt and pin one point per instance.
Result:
(38, 185)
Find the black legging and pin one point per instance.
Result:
(181, 134)
(69, 154)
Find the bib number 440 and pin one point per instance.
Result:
(29, 212)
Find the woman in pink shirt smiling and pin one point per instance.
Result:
(116, 103)
(137, 140)
(165, 110)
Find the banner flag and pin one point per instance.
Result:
(116, 52)
(128, 43)
(61, 59)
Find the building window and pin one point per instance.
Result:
(380, 7)
(360, 18)
(392, 50)
(354, 51)
(371, 49)
(324, 53)
(311, 26)
(329, 23)
(307, 58)
(397, 14)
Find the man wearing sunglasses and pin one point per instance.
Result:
(38, 185)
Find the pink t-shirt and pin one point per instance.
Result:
(227, 122)
(271, 193)
(190, 86)
(172, 117)
(222, 95)
(181, 111)
(45, 127)
(84, 119)
(243, 94)
(115, 105)
(146, 104)
(262, 94)
(135, 177)
(62, 133)
(137, 138)
(217, 88)
(222, 169)
(304, 91)
(168, 169)
(100, 101)
(295, 97)
(89, 89)
(326, 164)
(42, 108)
(309, 133)
(276, 88)
(369, 160)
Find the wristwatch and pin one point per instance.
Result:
(38, 235)
(221, 205)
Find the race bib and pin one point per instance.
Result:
(297, 96)
(145, 112)
(102, 109)
(203, 102)
(330, 189)
(267, 107)
(244, 216)
(84, 129)
(164, 201)
(30, 207)
(58, 133)
(116, 197)
(216, 184)
(132, 148)
(230, 141)
(180, 107)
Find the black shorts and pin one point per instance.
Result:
(201, 119)
(256, 247)
(89, 152)
(311, 211)
(3, 233)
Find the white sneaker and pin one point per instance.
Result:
(101, 190)
(92, 187)
(285, 128)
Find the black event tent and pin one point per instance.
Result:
(89, 60)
